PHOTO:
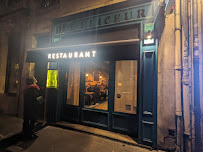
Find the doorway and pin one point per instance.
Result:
(96, 85)
(102, 94)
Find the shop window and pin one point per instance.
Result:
(73, 86)
(96, 83)
(12, 74)
(126, 86)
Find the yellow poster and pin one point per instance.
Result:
(52, 77)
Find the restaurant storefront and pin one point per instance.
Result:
(102, 70)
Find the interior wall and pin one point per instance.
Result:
(166, 86)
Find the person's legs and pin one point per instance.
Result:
(31, 127)
(26, 126)
(32, 124)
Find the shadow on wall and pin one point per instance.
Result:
(160, 23)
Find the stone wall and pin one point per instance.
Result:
(41, 18)
(166, 86)
(14, 22)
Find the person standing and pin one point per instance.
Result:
(31, 93)
(96, 93)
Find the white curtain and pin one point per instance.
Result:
(73, 86)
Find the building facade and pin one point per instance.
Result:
(133, 67)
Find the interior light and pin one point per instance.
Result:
(149, 36)
(100, 77)
(87, 75)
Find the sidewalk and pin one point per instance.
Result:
(57, 139)
(9, 126)
(101, 133)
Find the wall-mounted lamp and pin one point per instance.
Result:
(149, 35)
(149, 38)
(87, 75)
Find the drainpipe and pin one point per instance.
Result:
(200, 36)
(196, 76)
(191, 73)
(178, 69)
(186, 95)
(185, 76)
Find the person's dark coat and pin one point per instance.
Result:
(31, 92)
(96, 92)
(90, 89)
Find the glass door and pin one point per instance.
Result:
(94, 100)
(124, 116)
(96, 85)
(126, 86)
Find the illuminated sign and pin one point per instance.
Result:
(149, 41)
(52, 76)
(69, 55)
